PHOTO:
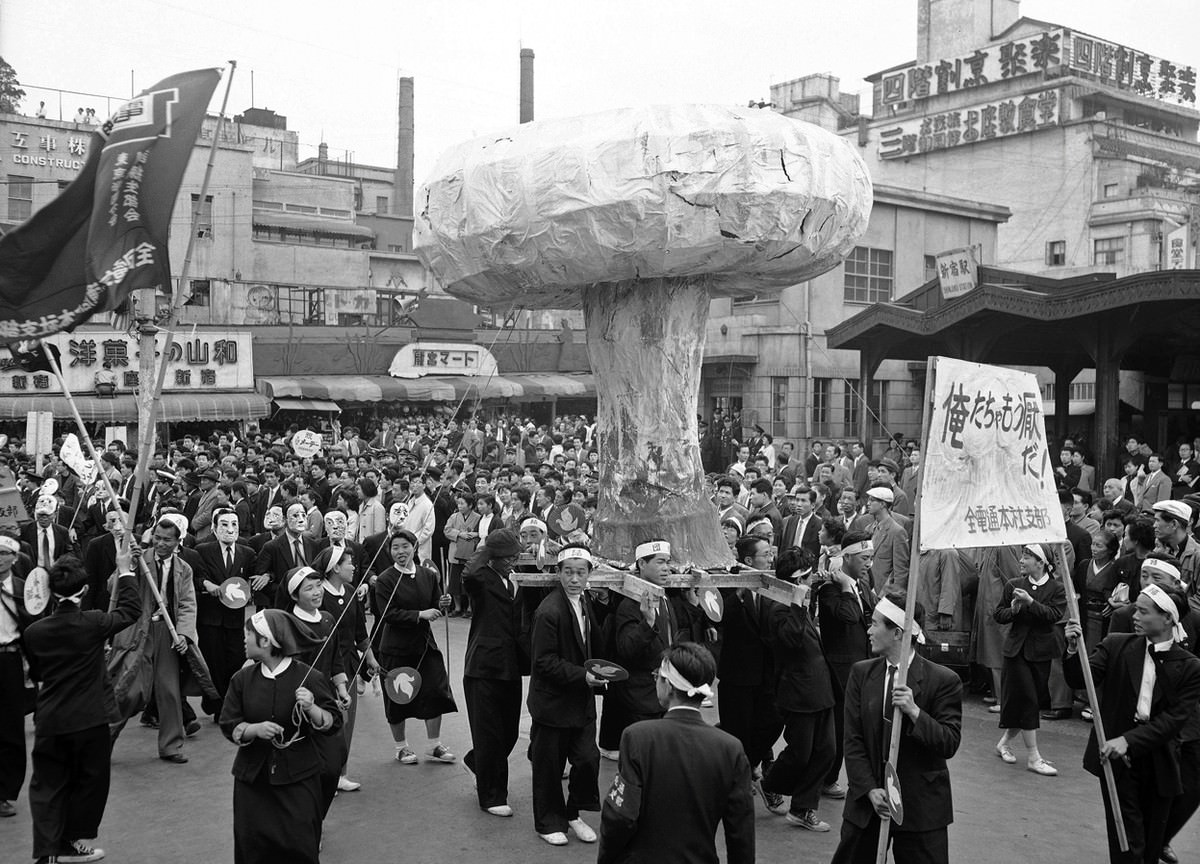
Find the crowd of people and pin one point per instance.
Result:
(348, 557)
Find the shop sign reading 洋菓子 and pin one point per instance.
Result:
(217, 361)
(1058, 51)
(959, 126)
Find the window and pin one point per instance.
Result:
(754, 298)
(20, 198)
(302, 208)
(850, 401)
(881, 399)
(1056, 253)
(301, 305)
(779, 402)
(1111, 190)
(931, 271)
(395, 247)
(203, 216)
(1109, 252)
(381, 204)
(868, 276)
(201, 292)
(820, 406)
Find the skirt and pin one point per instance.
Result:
(1024, 692)
(277, 823)
(433, 699)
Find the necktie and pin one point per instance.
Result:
(228, 557)
(889, 684)
(46, 562)
(299, 552)
(1146, 691)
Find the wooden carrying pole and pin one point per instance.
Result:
(910, 600)
(1089, 685)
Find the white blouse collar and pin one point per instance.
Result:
(277, 671)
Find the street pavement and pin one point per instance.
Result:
(427, 814)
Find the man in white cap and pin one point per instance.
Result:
(1149, 687)
(889, 564)
(678, 777)
(930, 703)
(1173, 535)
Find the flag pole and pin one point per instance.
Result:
(910, 600)
(148, 399)
(1089, 684)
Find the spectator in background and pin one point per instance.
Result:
(1087, 473)
(1185, 473)
(1158, 484)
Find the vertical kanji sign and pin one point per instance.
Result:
(989, 477)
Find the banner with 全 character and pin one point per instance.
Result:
(988, 473)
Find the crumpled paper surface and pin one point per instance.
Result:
(532, 213)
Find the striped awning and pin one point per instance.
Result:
(172, 407)
(323, 405)
(432, 388)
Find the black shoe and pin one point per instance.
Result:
(149, 722)
(1056, 714)
(177, 758)
(7, 809)
(192, 728)
(1168, 856)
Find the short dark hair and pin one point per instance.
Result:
(1141, 533)
(369, 487)
(67, 575)
(835, 530)
(762, 487)
(747, 544)
(1111, 542)
(1084, 496)
(728, 482)
(852, 537)
(168, 525)
(918, 610)
(794, 560)
(695, 663)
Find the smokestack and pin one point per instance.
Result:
(322, 156)
(402, 193)
(526, 85)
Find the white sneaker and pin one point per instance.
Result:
(582, 830)
(556, 838)
(81, 851)
(345, 784)
(501, 810)
(610, 755)
(1041, 766)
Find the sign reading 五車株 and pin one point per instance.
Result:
(988, 474)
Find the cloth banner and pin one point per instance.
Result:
(106, 234)
(989, 475)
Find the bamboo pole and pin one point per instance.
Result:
(910, 602)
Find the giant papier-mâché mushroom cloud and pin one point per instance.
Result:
(642, 216)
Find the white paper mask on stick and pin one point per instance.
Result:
(297, 521)
(273, 518)
(227, 527)
(335, 525)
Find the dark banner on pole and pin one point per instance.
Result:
(106, 234)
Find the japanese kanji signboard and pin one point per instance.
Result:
(958, 271)
(989, 476)
(946, 130)
(213, 360)
(442, 358)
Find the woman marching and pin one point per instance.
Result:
(276, 710)
(1033, 603)
(348, 610)
(405, 599)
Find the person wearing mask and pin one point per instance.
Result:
(219, 628)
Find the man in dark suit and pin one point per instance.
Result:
(1149, 688)
(562, 704)
(13, 621)
(931, 708)
(291, 549)
(100, 560)
(497, 657)
(804, 696)
(678, 777)
(802, 527)
(762, 506)
(270, 495)
(220, 629)
(747, 666)
(48, 540)
(845, 604)
(71, 750)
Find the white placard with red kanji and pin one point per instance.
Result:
(989, 475)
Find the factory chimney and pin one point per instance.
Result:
(526, 85)
(402, 193)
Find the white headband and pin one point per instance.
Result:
(259, 622)
(335, 555)
(1164, 602)
(676, 680)
(576, 552)
(1165, 567)
(859, 547)
(654, 547)
(299, 576)
(534, 522)
(9, 544)
(895, 614)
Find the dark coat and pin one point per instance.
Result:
(211, 612)
(746, 658)
(802, 676)
(844, 622)
(559, 694)
(924, 745)
(809, 541)
(639, 649)
(1117, 669)
(63, 545)
(275, 559)
(663, 764)
(498, 641)
(100, 561)
(1034, 634)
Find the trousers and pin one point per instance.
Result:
(12, 726)
(550, 748)
(494, 715)
(859, 845)
(69, 788)
(799, 771)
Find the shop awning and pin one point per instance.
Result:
(312, 224)
(172, 407)
(528, 387)
(308, 405)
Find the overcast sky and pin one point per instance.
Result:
(331, 68)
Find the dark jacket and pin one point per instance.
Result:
(559, 694)
(63, 545)
(275, 559)
(746, 658)
(639, 649)
(809, 541)
(211, 612)
(1117, 669)
(844, 621)
(498, 641)
(924, 745)
(665, 764)
(802, 676)
(1034, 634)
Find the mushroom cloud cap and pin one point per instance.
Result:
(754, 199)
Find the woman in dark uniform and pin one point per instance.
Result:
(275, 710)
(405, 599)
(1033, 603)
(1098, 576)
